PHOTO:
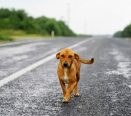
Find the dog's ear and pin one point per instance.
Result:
(58, 55)
(77, 56)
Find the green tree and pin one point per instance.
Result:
(66, 31)
(127, 31)
(118, 34)
(52, 25)
(19, 20)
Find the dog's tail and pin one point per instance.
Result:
(87, 61)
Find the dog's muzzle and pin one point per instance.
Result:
(65, 64)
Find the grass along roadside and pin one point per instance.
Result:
(8, 35)
(5, 38)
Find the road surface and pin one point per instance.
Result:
(29, 85)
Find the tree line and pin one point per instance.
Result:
(19, 20)
(126, 32)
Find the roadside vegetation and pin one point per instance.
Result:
(14, 23)
(126, 32)
(5, 38)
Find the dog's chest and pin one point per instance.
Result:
(66, 78)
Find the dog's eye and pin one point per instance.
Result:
(69, 56)
(62, 56)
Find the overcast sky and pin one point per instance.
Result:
(83, 16)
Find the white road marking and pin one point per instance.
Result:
(33, 66)
(124, 64)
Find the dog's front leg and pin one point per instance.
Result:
(69, 91)
(63, 87)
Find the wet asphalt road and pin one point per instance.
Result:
(105, 86)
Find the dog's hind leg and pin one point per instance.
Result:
(76, 91)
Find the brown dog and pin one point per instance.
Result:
(69, 71)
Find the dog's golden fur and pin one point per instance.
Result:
(69, 71)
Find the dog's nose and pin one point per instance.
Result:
(65, 64)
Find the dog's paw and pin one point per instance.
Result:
(72, 96)
(76, 94)
(66, 100)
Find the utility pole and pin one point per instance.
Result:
(68, 13)
(84, 26)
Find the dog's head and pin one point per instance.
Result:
(66, 57)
